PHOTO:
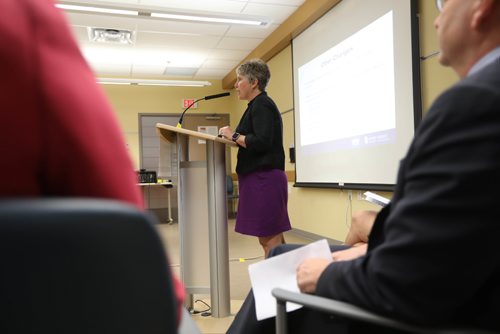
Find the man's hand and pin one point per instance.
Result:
(350, 253)
(308, 273)
(361, 225)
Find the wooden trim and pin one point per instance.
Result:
(301, 19)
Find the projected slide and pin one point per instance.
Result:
(356, 94)
(346, 94)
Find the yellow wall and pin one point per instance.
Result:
(129, 101)
(435, 78)
(324, 212)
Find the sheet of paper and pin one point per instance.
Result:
(376, 199)
(209, 129)
(280, 272)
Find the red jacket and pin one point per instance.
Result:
(59, 133)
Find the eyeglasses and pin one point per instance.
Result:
(440, 4)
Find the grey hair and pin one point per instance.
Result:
(255, 69)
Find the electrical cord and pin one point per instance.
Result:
(236, 259)
(204, 313)
(348, 210)
(243, 259)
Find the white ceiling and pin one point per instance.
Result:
(167, 49)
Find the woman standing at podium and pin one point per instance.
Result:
(263, 185)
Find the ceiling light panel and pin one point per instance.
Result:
(111, 69)
(192, 16)
(251, 32)
(101, 10)
(196, 18)
(223, 6)
(168, 57)
(232, 43)
(102, 21)
(149, 71)
(224, 54)
(219, 64)
(295, 3)
(186, 42)
(279, 12)
(180, 71)
(153, 82)
(160, 57)
(210, 73)
(108, 55)
(181, 27)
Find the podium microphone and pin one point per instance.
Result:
(208, 97)
(216, 96)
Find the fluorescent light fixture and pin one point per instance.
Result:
(206, 19)
(104, 10)
(152, 82)
(162, 15)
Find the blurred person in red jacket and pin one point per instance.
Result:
(59, 133)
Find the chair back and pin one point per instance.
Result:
(229, 185)
(82, 266)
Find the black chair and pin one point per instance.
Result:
(232, 195)
(82, 266)
(354, 313)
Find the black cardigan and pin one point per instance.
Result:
(262, 127)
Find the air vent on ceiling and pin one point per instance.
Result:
(114, 36)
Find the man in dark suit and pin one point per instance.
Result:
(432, 257)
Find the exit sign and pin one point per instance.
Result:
(187, 102)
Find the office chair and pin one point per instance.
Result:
(231, 194)
(354, 313)
(82, 266)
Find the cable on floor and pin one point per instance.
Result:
(204, 313)
(238, 259)
(243, 259)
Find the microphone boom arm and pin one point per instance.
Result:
(179, 124)
(209, 97)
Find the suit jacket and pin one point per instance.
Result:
(433, 255)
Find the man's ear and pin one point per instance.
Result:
(482, 11)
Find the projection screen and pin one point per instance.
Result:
(356, 94)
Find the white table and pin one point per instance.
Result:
(165, 184)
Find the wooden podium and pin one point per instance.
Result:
(202, 215)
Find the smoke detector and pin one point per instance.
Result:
(113, 36)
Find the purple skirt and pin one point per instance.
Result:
(262, 205)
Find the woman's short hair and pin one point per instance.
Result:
(255, 69)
